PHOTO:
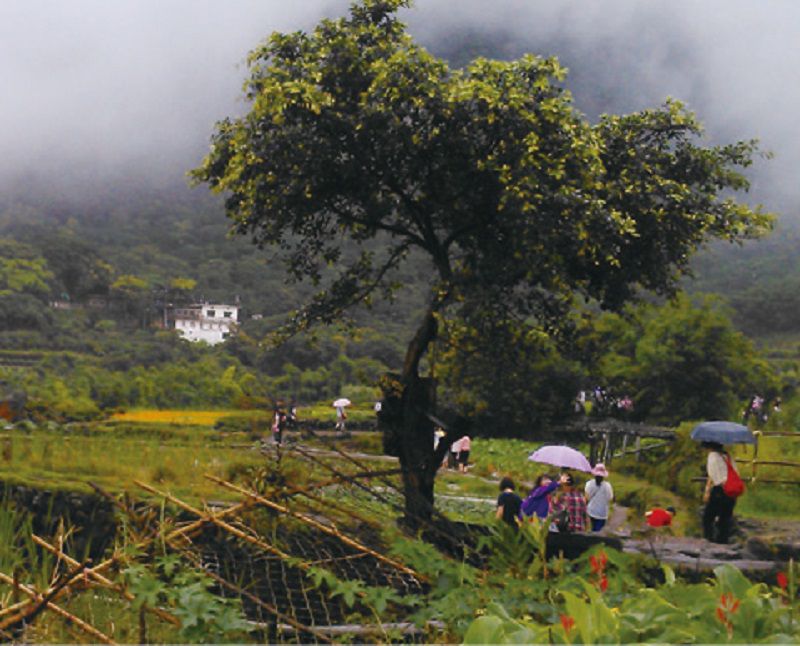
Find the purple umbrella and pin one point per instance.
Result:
(561, 456)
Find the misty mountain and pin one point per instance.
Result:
(101, 143)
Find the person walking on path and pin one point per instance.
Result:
(718, 510)
(599, 495)
(341, 418)
(537, 502)
(509, 504)
(278, 424)
(575, 504)
(464, 446)
(452, 455)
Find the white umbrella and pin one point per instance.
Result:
(342, 401)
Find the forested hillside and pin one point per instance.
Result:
(112, 268)
(84, 280)
(87, 287)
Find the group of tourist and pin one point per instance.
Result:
(602, 402)
(760, 409)
(568, 506)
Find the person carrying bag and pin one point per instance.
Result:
(723, 477)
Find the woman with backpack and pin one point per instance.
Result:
(723, 486)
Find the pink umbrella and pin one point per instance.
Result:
(561, 456)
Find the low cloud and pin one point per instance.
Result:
(97, 91)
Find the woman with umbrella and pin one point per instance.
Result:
(539, 500)
(537, 503)
(718, 511)
(719, 497)
(341, 414)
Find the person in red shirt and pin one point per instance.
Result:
(658, 517)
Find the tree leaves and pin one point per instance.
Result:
(355, 131)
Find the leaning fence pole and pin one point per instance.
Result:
(339, 506)
(219, 523)
(432, 527)
(391, 485)
(348, 479)
(35, 606)
(234, 509)
(161, 614)
(172, 537)
(80, 623)
(192, 527)
(332, 531)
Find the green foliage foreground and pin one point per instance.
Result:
(728, 608)
(603, 597)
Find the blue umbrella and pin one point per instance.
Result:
(723, 433)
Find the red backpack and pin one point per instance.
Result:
(734, 485)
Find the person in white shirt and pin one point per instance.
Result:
(718, 511)
(599, 494)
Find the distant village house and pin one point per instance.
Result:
(209, 322)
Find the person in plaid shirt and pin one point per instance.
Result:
(574, 502)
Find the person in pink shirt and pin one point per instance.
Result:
(464, 445)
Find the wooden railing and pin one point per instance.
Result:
(755, 462)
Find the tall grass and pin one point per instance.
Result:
(20, 557)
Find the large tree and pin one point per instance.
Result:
(360, 147)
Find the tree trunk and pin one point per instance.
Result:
(416, 450)
(408, 431)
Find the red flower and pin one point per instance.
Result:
(722, 616)
(598, 563)
(728, 602)
(604, 584)
(783, 580)
(567, 622)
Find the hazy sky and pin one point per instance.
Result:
(96, 91)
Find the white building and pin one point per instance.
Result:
(212, 323)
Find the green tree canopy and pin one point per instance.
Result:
(22, 271)
(681, 361)
(356, 134)
(79, 271)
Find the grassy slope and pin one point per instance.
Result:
(173, 449)
(113, 455)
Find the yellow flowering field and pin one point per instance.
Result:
(188, 417)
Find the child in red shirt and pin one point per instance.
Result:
(658, 517)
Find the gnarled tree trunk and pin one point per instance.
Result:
(408, 430)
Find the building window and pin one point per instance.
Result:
(227, 315)
(211, 313)
(225, 335)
